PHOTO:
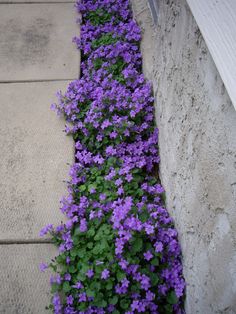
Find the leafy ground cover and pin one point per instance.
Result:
(118, 250)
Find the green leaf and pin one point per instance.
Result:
(60, 258)
(120, 275)
(73, 252)
(92, 186)
(72, 269)
(124, 304)
(139, 192)
(82, 306)
(90, 245)
(168, 309)
(109, 285)
(106, 39)
(113, 300)
(91, 232)
(84, 267)
(110, 257)
(154, 279)
(97, 236)
(103, 303)
(155, 262)
(95, 285)
(97, 249)
(104, 244)
(144, 216)
(135, 288)
(82, 188)
(81, 252)
(81, 277)
(54, 288)
(137, 245)
(90, 293)
(172, 298)
(66, 286)
(99, 300)
(107, 230)
(97, 63)
(98, 17)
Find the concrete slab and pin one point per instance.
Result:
(36, 1)
(36, 42)
(34, 156)
(24, 289)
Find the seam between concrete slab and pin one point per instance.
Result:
(25, 241)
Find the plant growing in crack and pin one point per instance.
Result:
(118, 250)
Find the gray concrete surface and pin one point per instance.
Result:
(37, 58)
(24, 289)
(35, 42)
(34, 153)
(197, 124)
(36, 1)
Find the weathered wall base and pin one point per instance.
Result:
(197, 124)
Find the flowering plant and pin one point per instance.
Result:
(118, 250)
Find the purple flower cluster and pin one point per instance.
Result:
(118, 250)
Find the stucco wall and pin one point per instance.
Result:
(197, 124)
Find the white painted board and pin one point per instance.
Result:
(217, 22)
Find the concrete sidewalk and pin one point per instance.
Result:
(37, 58)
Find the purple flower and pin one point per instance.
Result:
(158, 247)
(99, 138)
(113, 134)
(45, 230)
(110, 175)
(110, 308)
(92, 214)
(83, 225)
(43, 267)
(55, 279)
(129, 177)
(149, 229)
(162, 289)
(90, 273)
(123, 264)
(148, 255)
(145, 282)
(135, 305)
(118, 182)
(69, 300)
(150, 296)
(57, 304)
(98, 159)
(67, 277)
(110, 151)
(82, 297)
(78, 285)
(105, 274)
(105, 124)
(102, 197)
(92, 190)
(120, 191)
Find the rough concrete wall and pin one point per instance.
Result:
(197, 124)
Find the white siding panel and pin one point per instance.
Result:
(217, 22)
